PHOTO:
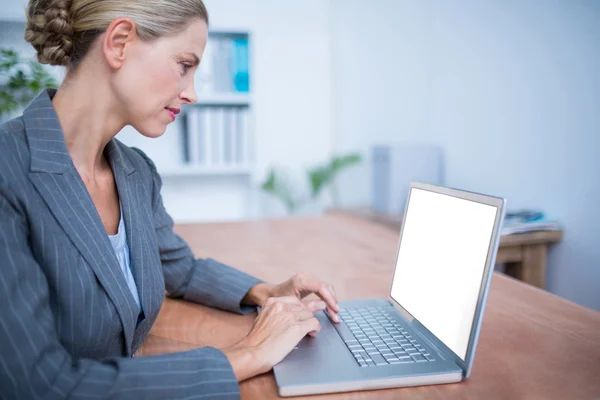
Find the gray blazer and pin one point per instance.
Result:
(68, 322)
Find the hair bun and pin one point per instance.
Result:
(50, 30)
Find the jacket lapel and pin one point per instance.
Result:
(54, 176)
(144, 257)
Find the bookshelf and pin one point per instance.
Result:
(215, 133)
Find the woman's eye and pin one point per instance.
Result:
(186, 66)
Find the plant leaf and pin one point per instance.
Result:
(277, 185)
(340, 162)
(25, 79)
(319, 177)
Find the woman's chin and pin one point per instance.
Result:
(153, 132)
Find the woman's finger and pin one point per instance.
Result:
(322, 290)
(283, 300)
(314, 305)
(332, 289)
(303, 315)
(311, 326)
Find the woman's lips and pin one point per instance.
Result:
(172, 112)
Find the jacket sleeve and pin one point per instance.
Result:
(203, 281)
(34, 364)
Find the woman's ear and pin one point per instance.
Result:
(119, 35)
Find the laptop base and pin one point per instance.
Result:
(324, 364)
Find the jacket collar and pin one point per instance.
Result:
(48, 150)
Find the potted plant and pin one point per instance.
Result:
(280, 185)
(21, 81)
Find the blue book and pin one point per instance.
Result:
(240, 65)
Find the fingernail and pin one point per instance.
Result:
(321, 305)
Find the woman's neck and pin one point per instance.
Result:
(89, 118)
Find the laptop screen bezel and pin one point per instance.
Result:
(500, 203)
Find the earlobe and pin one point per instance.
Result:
(119, 35)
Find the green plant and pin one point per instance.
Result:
(319, 177)
(21, 81)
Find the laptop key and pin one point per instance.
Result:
(402, 361)
(378, 359)
(418, 358)
(429, 357)
(344, 332)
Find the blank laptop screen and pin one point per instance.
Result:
(441, 260)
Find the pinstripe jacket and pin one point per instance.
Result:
(68, 322)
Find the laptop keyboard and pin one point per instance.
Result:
(375, 338)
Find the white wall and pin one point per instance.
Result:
(13, 10)
(509, 88)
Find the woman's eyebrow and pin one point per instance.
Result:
(194, 56)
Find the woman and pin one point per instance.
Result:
(86, 246)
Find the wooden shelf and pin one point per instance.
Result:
(195, 170)
(223, 99)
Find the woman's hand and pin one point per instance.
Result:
(282, 323)
(299, 286)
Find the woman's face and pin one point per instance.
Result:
(158, 77)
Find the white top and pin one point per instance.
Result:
(119, 243)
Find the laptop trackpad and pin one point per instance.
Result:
(322, 337)
(319, 359)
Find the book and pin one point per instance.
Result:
(185, 140)
(227, 136)
(527, 221)
(232, 134)
(239, 66)
(193, 136)
(207, 136)
(243, 142)
(217, 135)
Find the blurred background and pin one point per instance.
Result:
(316, 105)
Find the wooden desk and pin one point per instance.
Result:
(533, 345)
(524, 254)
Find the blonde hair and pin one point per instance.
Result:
(62, 31)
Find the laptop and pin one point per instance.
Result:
(426, 331)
